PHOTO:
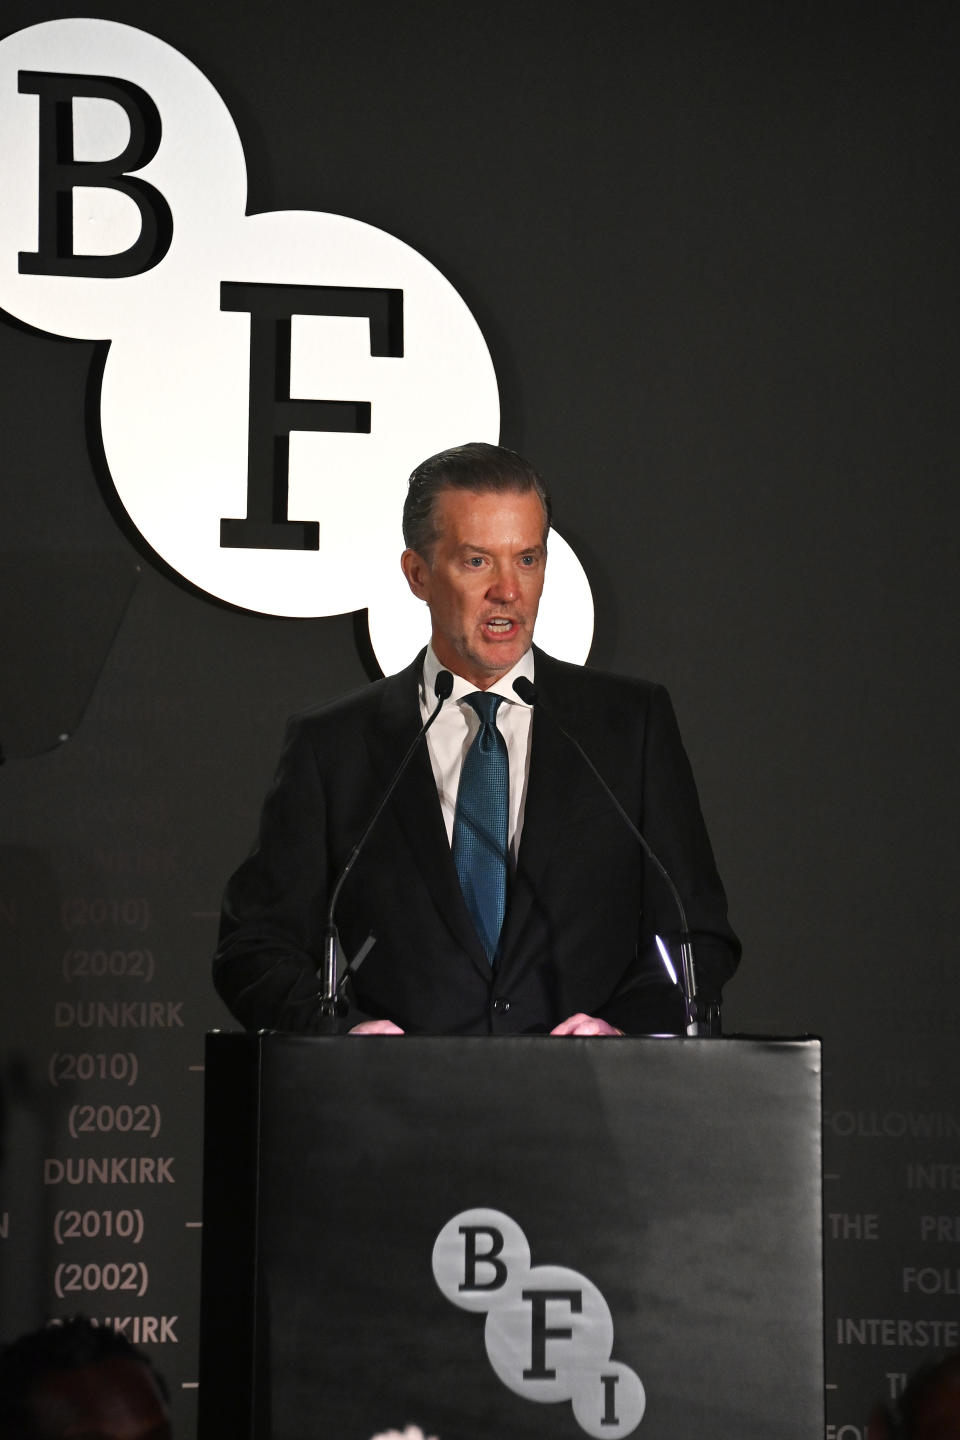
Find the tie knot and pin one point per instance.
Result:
(485, 704)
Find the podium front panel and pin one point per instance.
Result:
(660, 1224)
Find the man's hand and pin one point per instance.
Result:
(578, 1024)
(581, 1024)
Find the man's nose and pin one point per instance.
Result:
(504, 585)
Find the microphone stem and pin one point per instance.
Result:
(696, 1025)
(330, 1001)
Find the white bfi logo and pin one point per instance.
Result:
(548, 1333)
(271, 379)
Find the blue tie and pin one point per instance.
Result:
(480, 824)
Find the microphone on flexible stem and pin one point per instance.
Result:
(695, 1024)
(331, 1004)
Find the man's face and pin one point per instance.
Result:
(483, 580)
(115, 1399)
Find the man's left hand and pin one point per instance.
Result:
(581, 1024)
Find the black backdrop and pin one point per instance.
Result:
(712, 250)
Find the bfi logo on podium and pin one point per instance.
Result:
(548, 1332)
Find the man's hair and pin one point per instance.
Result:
(477, 466)
(67, 1345)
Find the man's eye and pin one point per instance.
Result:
(476, 561)
(528, 560)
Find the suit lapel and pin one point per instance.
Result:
(415, 804)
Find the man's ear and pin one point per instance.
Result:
(417, 571)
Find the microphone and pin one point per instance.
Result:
(331, 1003)
(527, 692)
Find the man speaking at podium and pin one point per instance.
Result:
(500, 891)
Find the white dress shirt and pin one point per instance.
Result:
(456, 728)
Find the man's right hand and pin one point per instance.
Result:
(376, 1027)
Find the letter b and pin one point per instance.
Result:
(60, 173)
(488, 1258)
(479, 1259)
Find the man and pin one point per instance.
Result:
(561, 939)
(80, 1380)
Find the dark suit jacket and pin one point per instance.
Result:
(583, 907)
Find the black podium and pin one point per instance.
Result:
(511, 1239)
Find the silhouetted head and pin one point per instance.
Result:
(83, 1381)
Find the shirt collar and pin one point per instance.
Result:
(461, 687)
